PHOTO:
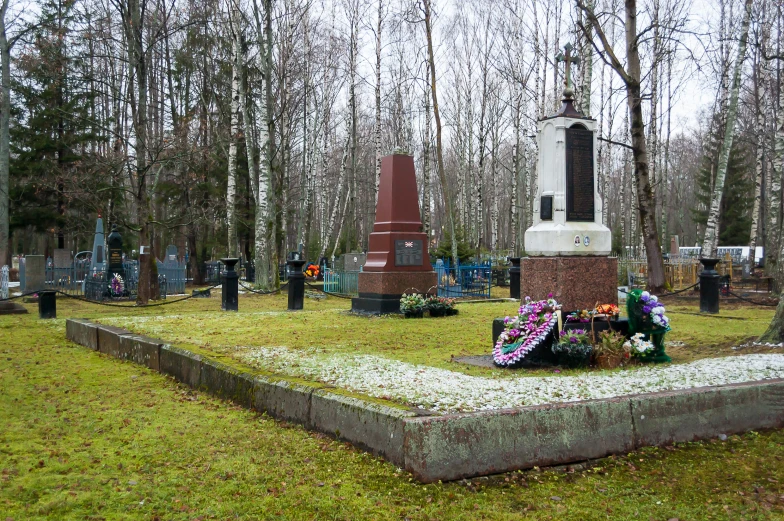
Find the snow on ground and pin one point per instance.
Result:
(449, 391)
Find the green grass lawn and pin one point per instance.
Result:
(328, 325)
(86, 436)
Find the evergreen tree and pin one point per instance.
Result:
(738, 196)
(51, 132)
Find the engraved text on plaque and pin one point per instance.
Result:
(579, 175)
(408, 253)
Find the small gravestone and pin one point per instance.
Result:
(62, 258)
(114, 247)
(353, 261)
(15, 262)
(35, 273)
(171, 253)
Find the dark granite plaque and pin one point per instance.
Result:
(115, 258)
(408, 253)
(546, 208)
(579, 175)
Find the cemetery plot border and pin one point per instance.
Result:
(447, 447)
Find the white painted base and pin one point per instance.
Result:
(549, 239)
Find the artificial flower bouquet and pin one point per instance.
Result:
(413, 305)
(574, 348)
(440, 306)
(647, 316)
(528, 336)
(312, 271)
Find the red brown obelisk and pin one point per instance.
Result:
(398, 260)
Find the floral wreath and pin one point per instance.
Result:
(117, 285)
(523, 333)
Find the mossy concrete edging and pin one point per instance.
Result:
(453, 446)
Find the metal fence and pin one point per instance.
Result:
(69, 279)
(679, 272)
(473, 281)
(342, 282)
(175, 274)
(4, 282)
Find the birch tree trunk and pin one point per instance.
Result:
(377, 133)
(760, 74)
(439, 149)
(5, 137)
(231, 185)
(711, 241)
(426, 158)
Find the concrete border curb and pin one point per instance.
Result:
(455, 446)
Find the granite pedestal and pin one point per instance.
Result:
(575, 282)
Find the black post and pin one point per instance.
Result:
(230, 286)
(709, 286)
(47, 304)
(514, 278)
(296, 282)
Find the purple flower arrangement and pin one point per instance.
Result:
(525, 331)
(653, 310)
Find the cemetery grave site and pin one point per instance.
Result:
(252, 268)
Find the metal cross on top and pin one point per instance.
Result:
(569, 59)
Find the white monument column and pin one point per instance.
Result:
(567, 245)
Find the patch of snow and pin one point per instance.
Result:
(450, 391)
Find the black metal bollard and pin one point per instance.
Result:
(230, 286)
(296, 284)
(709, 286)
(47, 304)
(514, 278)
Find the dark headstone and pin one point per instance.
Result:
(114, 246)
(514, 278)
(579, 175)
(47, 304)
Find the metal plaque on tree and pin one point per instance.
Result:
(579, 175)
(408, 253)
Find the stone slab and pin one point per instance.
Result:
(575, 282)
(62, 258)
(109, 340)
(373, 427)
(463, 445)
(12, 308)
(282, 399)
(141, 350)
(180, 363)
(692, 414)
(35, 273)
(82, 332)
(226, 382)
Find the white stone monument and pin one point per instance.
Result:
(568, 247)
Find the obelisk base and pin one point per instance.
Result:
(380, 292)
(575, 282)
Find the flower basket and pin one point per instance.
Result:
(573, 356)
(414, 314)
(437, 312)
(451, 312)
(609, 361)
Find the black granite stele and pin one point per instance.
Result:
(47, 304)
(376, 304)
(229, 286)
